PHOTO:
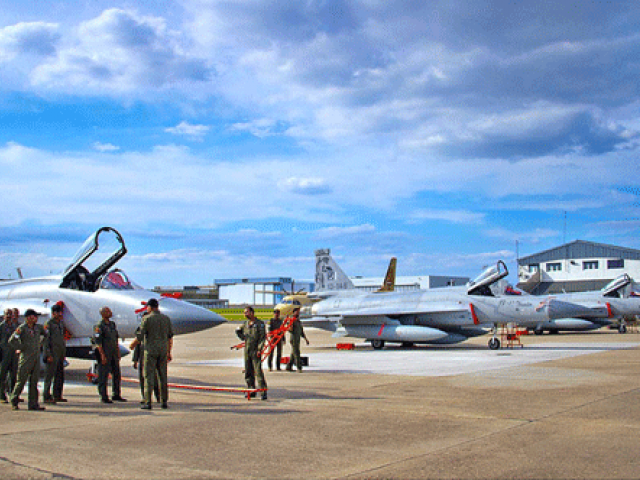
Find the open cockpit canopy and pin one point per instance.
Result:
(614, 287)
(480, 285)
(89, 267)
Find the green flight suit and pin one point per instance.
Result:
(254, 335)
(27, 340)
(9, 363)
(155, 332)
(106, 335)
(137, 356)
(296, 333)
(56, 348)
(275, 324)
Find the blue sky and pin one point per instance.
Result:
(233, 138)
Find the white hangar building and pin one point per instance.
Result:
(576, 266)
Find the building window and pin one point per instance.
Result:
(534, 267)
(613, 264)
(554, 267)
(590, 265)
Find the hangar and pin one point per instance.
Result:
(576, 267)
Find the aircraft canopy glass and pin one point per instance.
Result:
(96, 256)
(117, 280)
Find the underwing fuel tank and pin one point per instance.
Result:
(396, 333)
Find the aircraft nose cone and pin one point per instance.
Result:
(187, 318)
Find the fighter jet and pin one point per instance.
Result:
(601, 308)
(437, 316)
(89, 283)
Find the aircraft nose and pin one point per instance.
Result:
(188, 318)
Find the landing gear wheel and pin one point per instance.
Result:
(494, 344)
(377, 344)
(538, 331)
(622, 329)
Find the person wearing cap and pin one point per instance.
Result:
(137, 358)
(156, 333)
(27, 339)
(254, 334)
(9, 363)
(296, 333)
(105, 337)
(274, 324)
(55, 350)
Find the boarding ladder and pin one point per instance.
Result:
(273, 338)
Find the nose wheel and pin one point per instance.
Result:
(494, 343)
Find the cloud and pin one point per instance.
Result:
(120, 51)
(105, 147)
(195, 132)
(453, 216)
(34, 38)
(305, 186)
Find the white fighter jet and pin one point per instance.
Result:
(89, 283)
(604, 307)
(437, 316)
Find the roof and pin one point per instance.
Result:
(581, 249)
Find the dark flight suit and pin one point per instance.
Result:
(254, 335)
(138, 357)
(27, 340)
(106, 335)
(9, 364)
(296, 333)
(155, 332)
(54, 347)
(275, 324)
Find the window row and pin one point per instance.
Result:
(586, 265)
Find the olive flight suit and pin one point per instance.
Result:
(106, 335)
(9, 364)
(27, 340)
(138, 357)
(254, 335)
(155, 332)
(56, 348)
(296, 333)
(275, 324)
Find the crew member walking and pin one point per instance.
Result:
(253, 333)
(296, 333)
(108, 356)
(26, 338)
(55, 350)
(156, 333)
(274, 324)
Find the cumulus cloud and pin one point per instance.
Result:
(120, 51)
(305, 186)
(105, 147)
(195, 132)
(34, 38)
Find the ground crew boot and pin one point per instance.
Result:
(264, 395)
(146, 406)
(118, 398)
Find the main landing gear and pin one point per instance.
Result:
(377, 344)
(494, 342)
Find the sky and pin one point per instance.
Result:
(233, 138)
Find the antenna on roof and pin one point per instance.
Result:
(564, 230)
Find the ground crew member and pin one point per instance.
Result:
(9, 363)
(274, 324)
(254, 334)
(296, 333)
(105, 335)
(137, 357)
(55, 350)
(156, 333)
(26, 338)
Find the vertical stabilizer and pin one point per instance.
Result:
(389, 283)
(329, 276)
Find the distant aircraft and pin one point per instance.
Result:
(89, 283)
(437, 316)
(329, 277)
(601, 308)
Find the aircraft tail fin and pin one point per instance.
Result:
(389, 283)
(329, 276)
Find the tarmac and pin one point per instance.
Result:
(563, 406)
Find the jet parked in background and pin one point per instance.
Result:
(600, 308)
(437, 316)
(89, 283)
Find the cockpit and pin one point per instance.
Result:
(91, 267)
(482, 283)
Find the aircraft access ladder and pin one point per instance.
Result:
(273, 338)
